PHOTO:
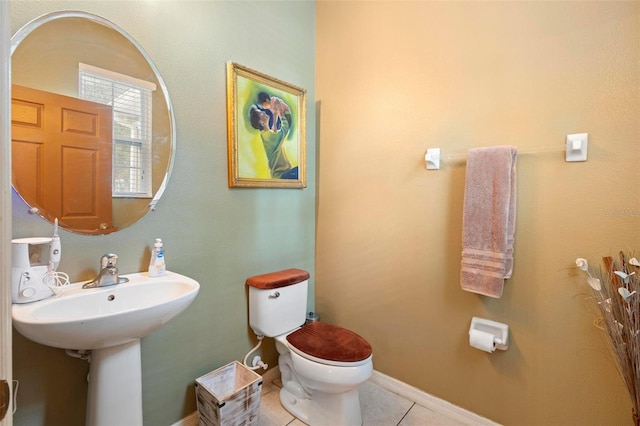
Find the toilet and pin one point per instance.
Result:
(321, 365)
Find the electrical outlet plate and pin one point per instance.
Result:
(577, 147)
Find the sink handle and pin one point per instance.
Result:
(108, 260)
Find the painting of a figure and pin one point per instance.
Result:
(266, 119)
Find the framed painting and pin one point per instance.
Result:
(266, 130)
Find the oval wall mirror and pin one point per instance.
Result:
(93, 131)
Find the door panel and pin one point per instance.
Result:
(28, 170)
(79, 169)
(62, 156)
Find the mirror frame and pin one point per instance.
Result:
(34, 24)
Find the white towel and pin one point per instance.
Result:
(488, 220)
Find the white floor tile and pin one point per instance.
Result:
(421, 416)
(272, 413)
(381, 407)
(269, 387)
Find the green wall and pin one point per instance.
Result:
(217, 235)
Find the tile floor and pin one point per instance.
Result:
(380, 407)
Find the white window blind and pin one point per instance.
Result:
(130, 99)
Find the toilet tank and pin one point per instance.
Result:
(278, 301)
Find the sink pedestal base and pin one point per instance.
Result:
(115, 386)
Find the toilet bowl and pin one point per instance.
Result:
(321, 365)
(319, 382)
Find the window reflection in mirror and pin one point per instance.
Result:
(132, 108)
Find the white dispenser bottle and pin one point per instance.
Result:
(157, 264)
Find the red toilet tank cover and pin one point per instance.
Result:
(278, 279)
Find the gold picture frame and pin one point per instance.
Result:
(266, 120)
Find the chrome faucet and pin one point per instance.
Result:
(108, 273)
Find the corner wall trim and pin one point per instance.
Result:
(392, 385)
(190, 420)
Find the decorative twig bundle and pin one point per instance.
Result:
(616, 292)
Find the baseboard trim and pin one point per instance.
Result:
(271, 375)
(392, 385)
(190, 420)
(429, 401)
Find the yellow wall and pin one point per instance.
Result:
(395, 78)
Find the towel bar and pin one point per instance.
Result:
(575, 149)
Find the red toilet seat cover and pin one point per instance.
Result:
(330, 342)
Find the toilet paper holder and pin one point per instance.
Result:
(499, 330)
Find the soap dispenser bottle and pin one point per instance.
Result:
(157, 265)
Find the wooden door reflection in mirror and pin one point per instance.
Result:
(62, 155)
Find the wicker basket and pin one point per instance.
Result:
(229, 396)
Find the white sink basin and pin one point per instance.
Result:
(103, 317)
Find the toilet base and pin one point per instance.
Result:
(342, 409)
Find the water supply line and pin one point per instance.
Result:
(83, 354)
(257, 361)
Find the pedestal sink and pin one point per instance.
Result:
(109, 321)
